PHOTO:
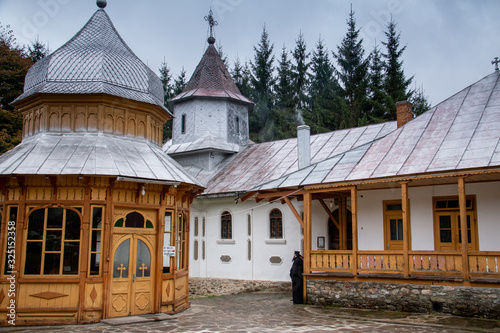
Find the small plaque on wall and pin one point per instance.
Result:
(321, 242)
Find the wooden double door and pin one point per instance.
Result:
(132, 280)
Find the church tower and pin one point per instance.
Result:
(210, 115)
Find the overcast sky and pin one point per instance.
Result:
(450, 43)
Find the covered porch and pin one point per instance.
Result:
(395, 261)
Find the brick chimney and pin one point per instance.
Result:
(404, 112)
(304, 145)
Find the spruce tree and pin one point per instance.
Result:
(322, 114)
(262, 80)
(168, 92)
(420, 102)
(396, 85)
(352, 72)
(377, 97)
(241, 76)
(180, 82)
(284, 110)
(300, 72)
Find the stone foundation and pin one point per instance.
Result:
(462, 301)
(203, 287)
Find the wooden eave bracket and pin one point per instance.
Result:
(329, 213)
(294, 211)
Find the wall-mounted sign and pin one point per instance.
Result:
(169, 251)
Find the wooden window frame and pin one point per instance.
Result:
(276, 224)
(97, 253)
(44, 251)
(472, 209)
(226, 225)
(182, 230)
(167, 232)
(398, 214)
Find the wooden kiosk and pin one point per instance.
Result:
(94, 214)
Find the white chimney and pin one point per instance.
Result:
(304, 145)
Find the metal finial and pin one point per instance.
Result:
(102, 3)
(211, 23)
(495, 62)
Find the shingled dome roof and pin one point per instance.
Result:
(212, 79)
(95, 60)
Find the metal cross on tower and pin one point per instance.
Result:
(211, 21)
(495, 62)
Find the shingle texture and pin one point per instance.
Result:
(460, 133)
(95, 60)
(211, 79)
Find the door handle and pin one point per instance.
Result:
(133, 277)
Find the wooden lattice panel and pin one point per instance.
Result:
(71, 193)
(98, 194)
(37, 181)
(14, 194)
(170, 200)
(150, 198)
(124, 196)
(39, 193)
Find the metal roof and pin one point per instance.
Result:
(92, 155)
(460, 133)
(206, 142)
(211, 79)
(95, 60)
(264, 162)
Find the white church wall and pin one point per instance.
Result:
(185, 108)
(270, 259)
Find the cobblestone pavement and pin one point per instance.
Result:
(274, 312)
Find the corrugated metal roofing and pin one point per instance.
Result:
(211, 79)
(92, 155)
(462, 132)
(264, 162)
(95, 60)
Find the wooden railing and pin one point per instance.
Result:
(484, 264)
(435, 263)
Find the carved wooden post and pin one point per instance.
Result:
(307, 237)
(463, 225)
(406, 227)
(354, 212)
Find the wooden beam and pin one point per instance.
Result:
(354, 212)
(294, 211)
(279, 194)
(406, 228)
(247, 196)
(463, 225)
(323, 204)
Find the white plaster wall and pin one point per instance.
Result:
(488, 214)
(370, 214)
(259, 267)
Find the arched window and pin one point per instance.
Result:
(226, 225)
(53, 242)
(276, 223)
(134, 220)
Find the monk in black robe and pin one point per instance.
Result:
(297, 279)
